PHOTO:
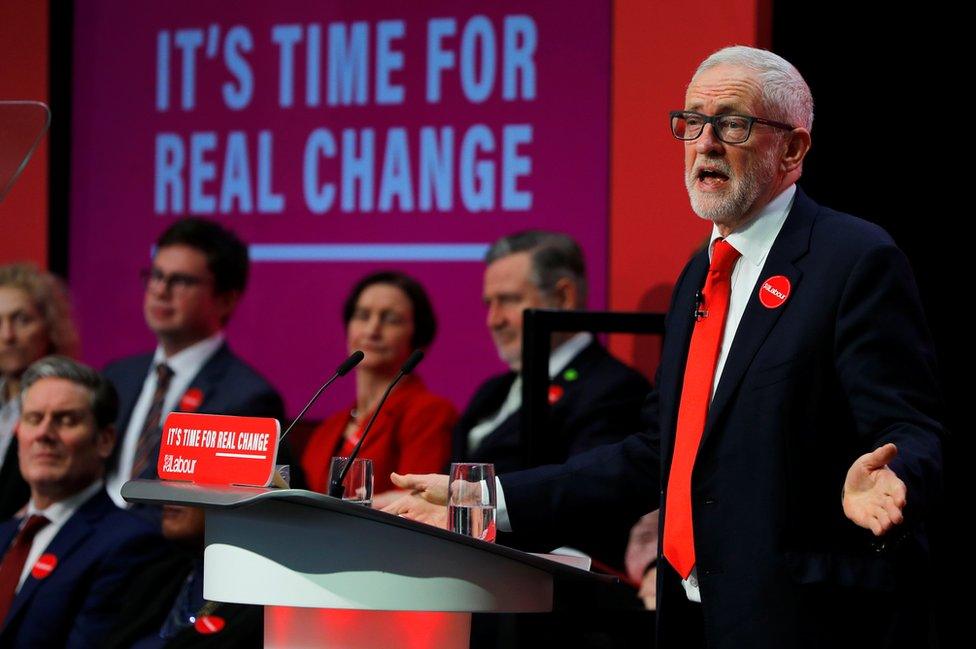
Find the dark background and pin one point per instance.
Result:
(884, 149)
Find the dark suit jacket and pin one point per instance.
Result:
(149, 600)
(600, 406)
(229, 386)
(14, 492)
(98, 549)
(844, 366)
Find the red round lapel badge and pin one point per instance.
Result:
(44, 566)
(191, 400)
(207, 624)
(774, 291)
(555, 393)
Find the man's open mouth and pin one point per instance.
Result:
(705, 175)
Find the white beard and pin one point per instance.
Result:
(740, 195)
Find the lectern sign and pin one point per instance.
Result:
(218, 449)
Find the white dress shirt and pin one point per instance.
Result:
(58, 513)
(753, 240)
(185, 364)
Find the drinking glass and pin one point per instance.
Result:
(358, 485)
(471, 500)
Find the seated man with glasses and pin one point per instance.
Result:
(197, 277)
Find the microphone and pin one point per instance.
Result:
(411, 363)
(699, 313)
(343, 369)
(335, 487)
(350, 363)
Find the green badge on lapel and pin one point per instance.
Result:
(570, 375)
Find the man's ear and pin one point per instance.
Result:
(798, 144)
(566, 294)
(227, 302)
(105, 441)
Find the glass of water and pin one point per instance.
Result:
(358, 485)
(471, 500)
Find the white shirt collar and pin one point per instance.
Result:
(562, 355)
(62, 510)
(755, 239)
(193, 357)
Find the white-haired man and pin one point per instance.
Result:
(796, 404)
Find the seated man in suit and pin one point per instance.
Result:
(165, 607)
(198, 276)
(794, 438)
(66, 560)
(595, 398)
(35, 320)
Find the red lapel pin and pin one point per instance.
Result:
(191, 400)
(44, 566)
(774, 291)
(555, 393)
(207, 624)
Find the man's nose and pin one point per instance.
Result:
(45, 430)
(158, 286)
(495, 316)
(708, 141)
(7, 332)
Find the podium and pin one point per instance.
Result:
(336, 574)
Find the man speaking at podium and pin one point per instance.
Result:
(794, 442)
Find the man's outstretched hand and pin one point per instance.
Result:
(425, 500)
(874, 497)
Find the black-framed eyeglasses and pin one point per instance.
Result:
(172, 281)
(732, 129)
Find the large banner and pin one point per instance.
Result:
(337, 138)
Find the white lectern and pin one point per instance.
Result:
(335, 574)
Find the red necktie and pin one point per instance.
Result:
(13, 562)
(696, 393)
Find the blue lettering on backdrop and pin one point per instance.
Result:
(405, 168)
(388, 61)
(438, 59)
(348, 64)
(168, 194)
(478, 42)
(268, 201)
(357, 168)
(395, 179)
(515, 165)
(286, 37)
(436, 168)
(238, 40)
(236, 183)
(477, 176)
(318, 198)
(202, 171)
(189, 41)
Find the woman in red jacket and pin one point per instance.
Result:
(387, 315)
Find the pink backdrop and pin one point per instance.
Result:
(181, 107)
